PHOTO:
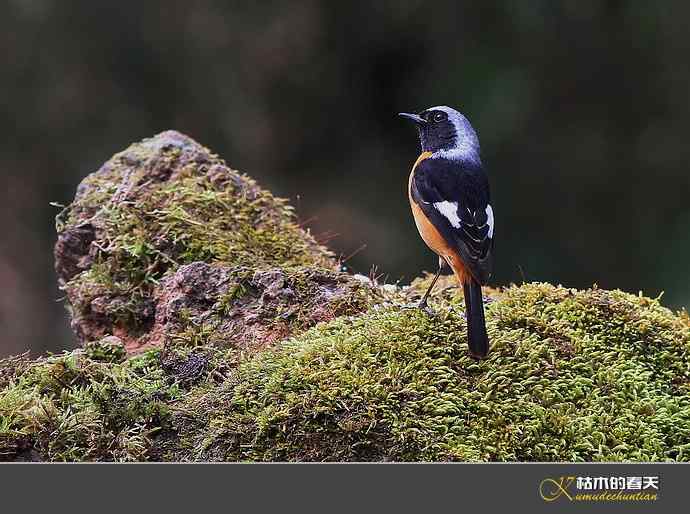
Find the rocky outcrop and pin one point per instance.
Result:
(161, 204)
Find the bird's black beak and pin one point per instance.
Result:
(414, 117)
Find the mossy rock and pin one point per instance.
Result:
(251, 309)
(158, 205)
(253, 346)
(572, 376)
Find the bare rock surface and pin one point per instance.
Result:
(251, 309)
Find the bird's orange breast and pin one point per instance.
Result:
(430, 234)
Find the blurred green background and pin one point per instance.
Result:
(582, 109)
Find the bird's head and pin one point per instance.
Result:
(443, 131)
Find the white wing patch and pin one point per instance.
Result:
(449, 211)
(490, 220)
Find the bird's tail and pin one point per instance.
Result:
(477, 338)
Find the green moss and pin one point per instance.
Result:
(71, 407)
(189, 220)
(592, 375)
(108, 349)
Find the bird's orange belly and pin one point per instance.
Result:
(429, 233)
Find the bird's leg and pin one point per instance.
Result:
(423, 303)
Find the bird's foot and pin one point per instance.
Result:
(422, 306)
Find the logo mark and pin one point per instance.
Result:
(551, 489)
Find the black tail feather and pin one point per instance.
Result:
(477, 339)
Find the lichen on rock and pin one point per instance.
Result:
(249, 308)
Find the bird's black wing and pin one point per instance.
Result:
(455, 197)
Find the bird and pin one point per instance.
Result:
(450, 199)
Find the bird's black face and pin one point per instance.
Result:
(436, 130)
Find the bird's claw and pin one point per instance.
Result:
(424, 307)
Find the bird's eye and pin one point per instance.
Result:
(439, 116)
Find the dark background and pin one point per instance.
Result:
(582, 109)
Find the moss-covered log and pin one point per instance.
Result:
(215, 328)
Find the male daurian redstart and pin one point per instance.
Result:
(449, 196)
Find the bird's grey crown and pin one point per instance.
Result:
(466, 143)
